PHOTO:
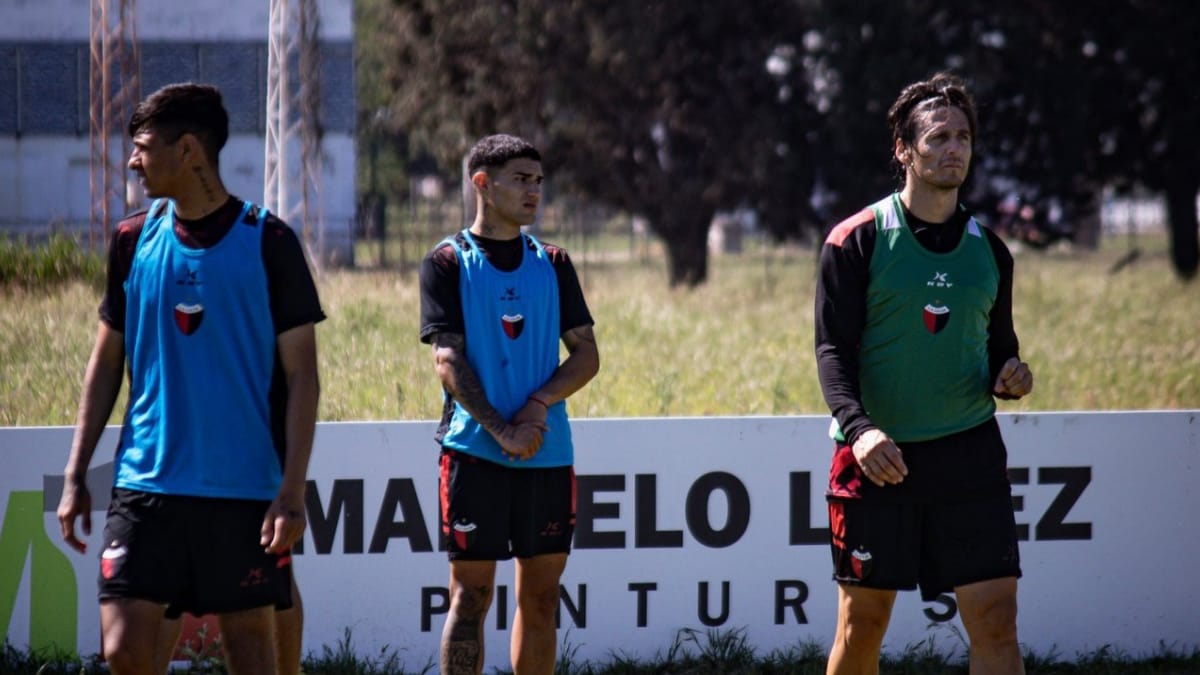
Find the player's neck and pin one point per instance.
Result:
(203, 194)
(932, 205)
(494, 228)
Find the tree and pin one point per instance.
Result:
(674, 111)
(1087, 102)
(1070, 98)
(662, 109)
(1157, 143)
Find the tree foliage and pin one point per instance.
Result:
(663, 109)
(675, 111)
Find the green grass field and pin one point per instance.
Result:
(740, 345)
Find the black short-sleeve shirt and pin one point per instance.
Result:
(441, 305)
(292, 292)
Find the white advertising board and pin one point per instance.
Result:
(702, 523)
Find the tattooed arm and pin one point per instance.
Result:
(518, 439)
(580, 366)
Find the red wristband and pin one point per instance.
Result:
(538, 400)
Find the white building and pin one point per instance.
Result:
(44, 103)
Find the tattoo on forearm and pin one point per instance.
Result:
(468, 390)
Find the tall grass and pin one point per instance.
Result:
(740, 345)
(61, 258)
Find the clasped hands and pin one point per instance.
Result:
(522, 437)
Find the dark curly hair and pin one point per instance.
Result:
(497, 150)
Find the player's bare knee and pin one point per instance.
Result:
(125, 657)
(992, 622)
(866, 610)
(864, 629)
(539, 605)
(470, 601)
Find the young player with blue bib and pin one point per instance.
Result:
(210, 310)
(495, 304)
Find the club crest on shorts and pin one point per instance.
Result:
(188, 317)
(111, 558)
(936, 317)
(860, 562)
(513, 325)
(464, 534)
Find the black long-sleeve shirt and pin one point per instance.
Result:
(841, 309)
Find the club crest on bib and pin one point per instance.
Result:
(188, 317)
(513, 325)
(936, 317)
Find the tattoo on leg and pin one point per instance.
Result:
(462, 642)
(461, 651)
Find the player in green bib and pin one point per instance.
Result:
(914, 342)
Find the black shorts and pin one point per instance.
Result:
(193, 554)
(937, 547)
(966, 465)
(493, 512)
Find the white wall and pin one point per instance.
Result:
(29, 164)
(1108, 501)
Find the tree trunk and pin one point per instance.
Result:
(685, 238)
(1085, 215)
(1181, 217)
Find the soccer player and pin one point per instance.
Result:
(914, 341)
(210, 309)
(495, 304)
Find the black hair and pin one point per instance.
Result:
(943, 90)
(186, 108)
(497, 150)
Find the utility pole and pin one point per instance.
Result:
(294, 30)
(113, 87)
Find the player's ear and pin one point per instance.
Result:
(190, 149)
(480, 179)
(902, 153)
